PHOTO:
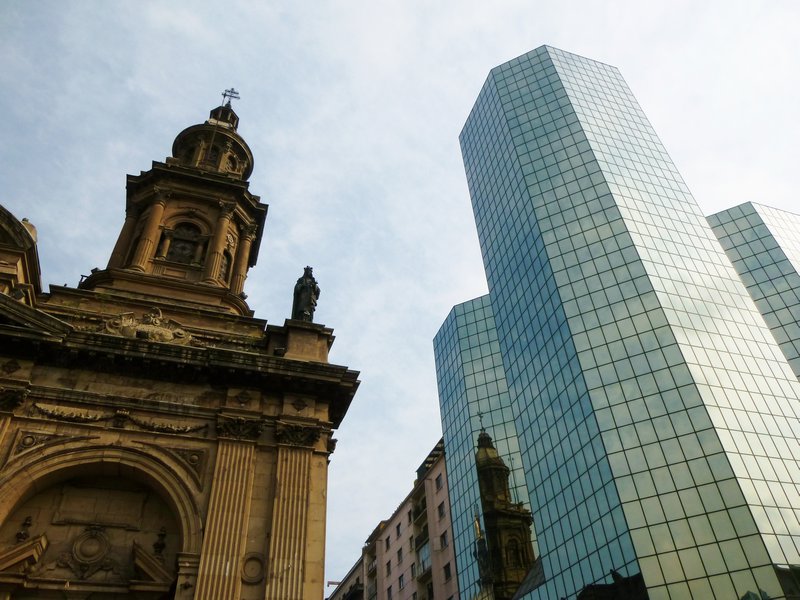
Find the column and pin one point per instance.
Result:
(211, 270)
(149, 238)
(165, 243)
(125, 237)
(219, 575)
(242, 259)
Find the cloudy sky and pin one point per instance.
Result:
(352, 110)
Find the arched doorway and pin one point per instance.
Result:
(97, 529)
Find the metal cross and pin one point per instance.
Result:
(229, 95)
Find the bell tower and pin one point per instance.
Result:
(157, 440)
(191, 227)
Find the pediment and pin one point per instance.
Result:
(22, 320)
(20, 557)
(149, 567)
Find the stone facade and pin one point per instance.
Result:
(157, 440)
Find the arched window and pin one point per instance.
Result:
(185, 244)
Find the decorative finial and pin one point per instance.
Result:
(480, 420)
(229, 95)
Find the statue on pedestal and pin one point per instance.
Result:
(306, 293)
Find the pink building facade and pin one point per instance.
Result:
(410, 555)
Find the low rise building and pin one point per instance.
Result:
(409, 556)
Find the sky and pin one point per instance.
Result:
(352, 110)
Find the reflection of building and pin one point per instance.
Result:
(509, 553)
(157, 440)
(473, 394)
(655, 414)
(409, 556)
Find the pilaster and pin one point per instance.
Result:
(224, 540)
(291, 551)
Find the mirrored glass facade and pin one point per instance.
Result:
(656, 416)
(763, 243)
(472, 395)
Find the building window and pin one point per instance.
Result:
(388, 541)
(397, 529)
(388, 567)
(409, 517)
(413, 570)
(185, 244)
(399, 556)
(447, 573)
(440, 510)
(443, 541)
(439, 481)
(389, 593)
(401, 582)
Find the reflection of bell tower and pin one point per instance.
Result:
(157, 441)
(508, 524)
(191, 224)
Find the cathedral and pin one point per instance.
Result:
(157, 441)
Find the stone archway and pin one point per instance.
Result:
(101, 524)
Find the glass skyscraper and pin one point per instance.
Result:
(763, 244)
(656, 415)
(472, 396)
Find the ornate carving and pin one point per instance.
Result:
(226, 208)
(332, 445)
(239, 427)
(306, 294)
(297, 435)
(11, 398)
(243, 397)
(11, 366)
(160, 544)
(23, 533)
(299, 404)
(194, 459)
(29, 440)
(253, 568)
(89, 554)
(249, 231)
(119, 417)
(71, 417)
(152, 327)
(165, 427)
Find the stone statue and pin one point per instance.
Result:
(306, 292)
